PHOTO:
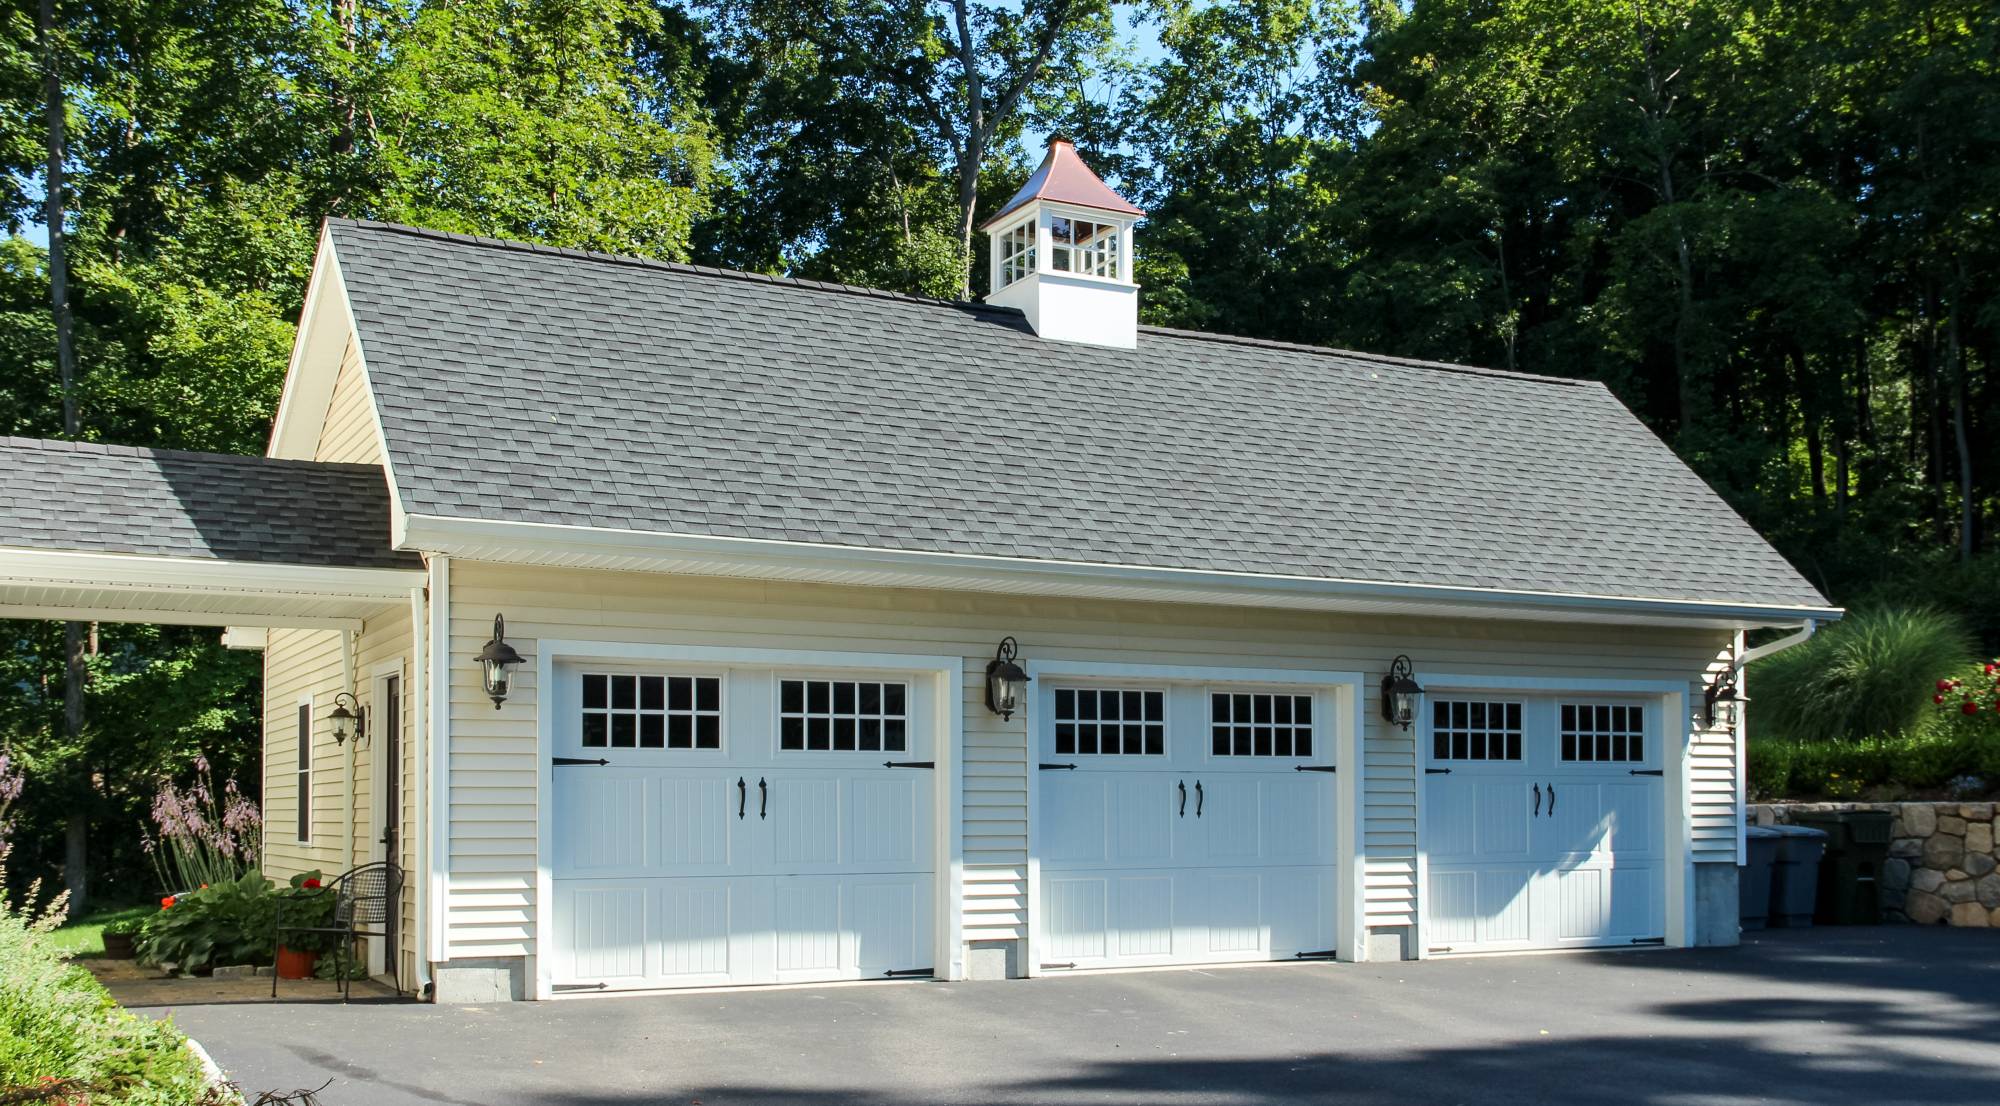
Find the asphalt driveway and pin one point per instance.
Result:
(1877, 1015)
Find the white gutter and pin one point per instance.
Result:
(639, 550)
(1750, 656)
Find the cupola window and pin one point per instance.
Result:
(1083, 246)
(1017, 253)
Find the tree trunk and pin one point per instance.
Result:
(1968, 541)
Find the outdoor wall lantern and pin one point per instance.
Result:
(1722, 693)
(1399, 693)
(1006, 682)
(494, 662)
(346, 717)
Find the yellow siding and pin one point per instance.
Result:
(493, 771)
(349, 431)
(344, 833)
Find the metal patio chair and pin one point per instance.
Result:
(365, 896)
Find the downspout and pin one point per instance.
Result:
(347, 665)
(420, 747)
(1744, 657)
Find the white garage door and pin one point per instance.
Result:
(1542, 824)
(1184, 824)
(743, 826)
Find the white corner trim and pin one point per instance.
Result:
(419, 708)
(948, 674)
(641, 550)
(439, 757)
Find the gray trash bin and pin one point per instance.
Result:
(1753, 880)
(1795, 875)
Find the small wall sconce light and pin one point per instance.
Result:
(1006, 681)
(495, 660)
(346, 718)
(1399, 693)
(1722, 693)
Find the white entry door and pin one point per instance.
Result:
(741, 826)
(1542, 824)
(1184, 824)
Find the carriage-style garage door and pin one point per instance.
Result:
(1542, 823)
(747, 826)
(1184, 823)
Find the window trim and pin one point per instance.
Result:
(303, 772)
(780, 678)
(1166, 722)
(1315, 733)
(666, 713)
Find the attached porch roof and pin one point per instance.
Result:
(113, 533)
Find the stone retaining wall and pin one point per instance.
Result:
(1943, 865)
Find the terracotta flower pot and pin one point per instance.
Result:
(119, 946)
(293, 964)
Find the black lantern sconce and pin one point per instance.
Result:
(1006, 681)
(347, 718)
(1400, 691)
(495, 661)
(1722, 692)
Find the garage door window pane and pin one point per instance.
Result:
(1092, 721)
(841, 716)
(651, 712)
(1475, 729)
(1260, 724)
(1603, 732)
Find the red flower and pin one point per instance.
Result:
(1991, 667)
(1970, 707)
(1944, 685)
(1938, 699)
(204, 886)
(167, 903)
(310, 885)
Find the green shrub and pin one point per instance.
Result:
(232, 922)
(1871, 673)
(1843, 768)
(60, 1029)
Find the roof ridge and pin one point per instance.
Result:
(838, 288)
(59, 445)
(682, 267)
(1362, 355)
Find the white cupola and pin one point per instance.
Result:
(1062, 253)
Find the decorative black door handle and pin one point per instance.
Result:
(763, 799)
(1182, 813)
(1552, 800)
(1197, 798)
(1538, 800)
(742, 795)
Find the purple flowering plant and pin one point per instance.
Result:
(202, 835)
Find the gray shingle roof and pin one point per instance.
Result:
(522, 383)
(84, 497)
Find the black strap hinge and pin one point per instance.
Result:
(910, 764)
(1437, 771)
(578, 987)
(1057, 767)
(1071, 964)
(1314, 768)
(1439, 948)
(1649, 940)
(1649, 771)
(573, 762)
(908, 973)
(1323, 954)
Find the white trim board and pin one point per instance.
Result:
(638, 550)
(1349, 844)
(379, 769)
(948, 776)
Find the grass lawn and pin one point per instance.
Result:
(85, 936)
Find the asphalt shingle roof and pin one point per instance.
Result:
(524, 383)
(85, 497)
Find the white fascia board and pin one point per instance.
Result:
(140, 571)
(310, 376)
(637, 550)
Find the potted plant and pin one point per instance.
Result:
(308, 903)
(121, 938)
